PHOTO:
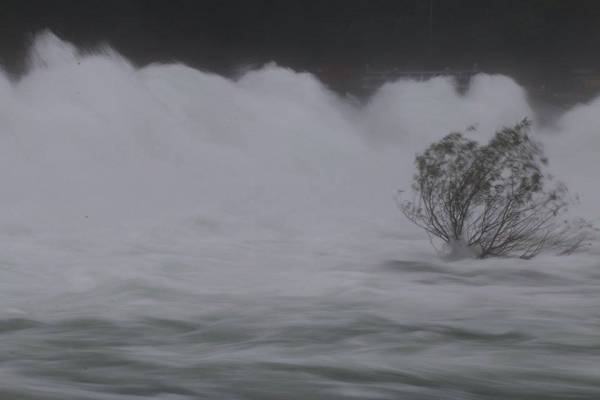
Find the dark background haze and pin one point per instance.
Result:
(538, 42)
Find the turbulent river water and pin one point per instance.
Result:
(170, 234)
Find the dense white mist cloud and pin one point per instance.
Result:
(88, 141)
(416, 113)
(573, 147)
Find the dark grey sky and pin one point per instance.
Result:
(526, 37)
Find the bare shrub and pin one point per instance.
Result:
(494, 199)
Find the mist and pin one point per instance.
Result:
(89, 140)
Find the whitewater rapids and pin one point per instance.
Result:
(168, 233)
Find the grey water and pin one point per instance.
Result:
(397, 330)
